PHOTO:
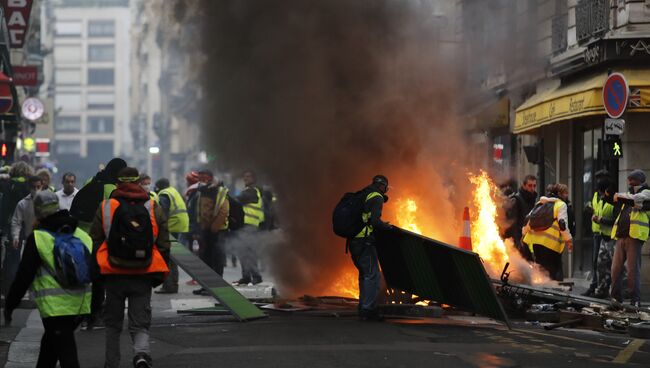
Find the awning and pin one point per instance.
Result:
(579, 99)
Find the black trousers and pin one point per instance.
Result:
(97, 297)
(214, 254)
(550, 260)
(58, 344)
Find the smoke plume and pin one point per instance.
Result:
(319, 96)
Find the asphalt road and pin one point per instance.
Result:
(304, 340)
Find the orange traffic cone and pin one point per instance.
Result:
(465, 240)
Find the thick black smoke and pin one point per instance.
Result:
(318, 96)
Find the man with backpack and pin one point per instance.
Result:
(520, 204)
(83, 208)
(358, 218)
(178, 224)
(131, 248)
(55, 263)
(546, 231)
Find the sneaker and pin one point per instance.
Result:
(256, 281)
(142, 361)
(96, 323)
(636, 304)
(241, 282)
(200, 291)
(370, 316)
(166, 291)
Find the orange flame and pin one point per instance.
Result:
(406, 215)
(486, 240)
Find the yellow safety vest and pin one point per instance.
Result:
(597, 205)
(221, 199)
(154, 196)
(51, 299)
(178, 221)
(368, 229)
(639, 223)
(608, 213)
(550, 238)
(254, 212)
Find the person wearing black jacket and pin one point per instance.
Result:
(58, 342)
(362, 248)
(521, 203)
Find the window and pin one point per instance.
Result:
(100, 77)
(99, 100)
(67, 101)
(67, 124)
(100, 124)
(100, 150)
(101, 53)
(67, 76)
(67, 53)
(68, 29)
(67, 147)
(101, 28)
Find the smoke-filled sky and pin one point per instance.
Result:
(320, 95)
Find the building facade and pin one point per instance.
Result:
(87, 74)
(556, 106)
(166, 92)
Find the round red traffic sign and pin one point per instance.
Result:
(615, 94)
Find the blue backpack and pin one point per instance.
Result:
(71, 261)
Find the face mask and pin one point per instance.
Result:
(146, 187)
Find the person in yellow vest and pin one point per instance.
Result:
(630, 231)
(178, 224)
(597, 204)
(145, 182)
(248, 253)
(547, 245)
(606, 219)
(362, 248)
(61, 309)
(129, 272)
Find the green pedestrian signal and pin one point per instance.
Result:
(612, 149)
(617, 150)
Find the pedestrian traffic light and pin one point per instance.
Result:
(7, 151)
(612, 149)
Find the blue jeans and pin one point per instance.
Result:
(594, 261)
(364, 256)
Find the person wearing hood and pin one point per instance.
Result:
(630, 232)
(520, 204)
(362, 248)
(84, 207)
(60, 309)
(547, 245)
(132, 278)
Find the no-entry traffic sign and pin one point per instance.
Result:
(615, 94)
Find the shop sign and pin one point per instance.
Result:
(614, 126)
(25, 75)
(17, 14)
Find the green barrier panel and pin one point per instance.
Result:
(437, 271)
(216, 286)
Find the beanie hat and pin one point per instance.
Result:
(638, 175)
(45, 203)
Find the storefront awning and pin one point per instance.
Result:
(579, 99)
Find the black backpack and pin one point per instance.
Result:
(346, 218)
(236, 214)
(130, 242)
(541, 216)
